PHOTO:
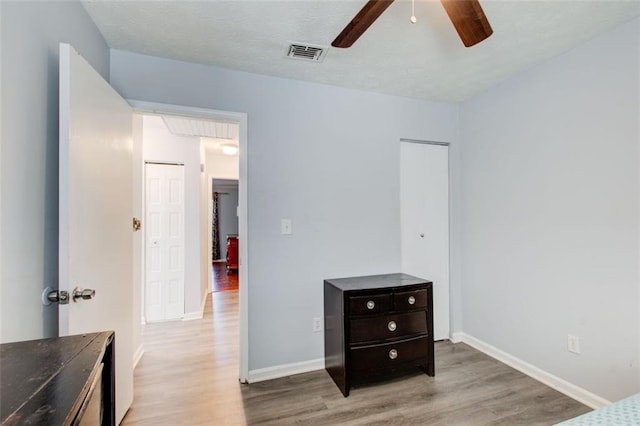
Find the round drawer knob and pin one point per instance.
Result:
(412, 300)
(393, 354)
(392, 326)
(371, 304)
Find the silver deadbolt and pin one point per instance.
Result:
(50, 296)
(84, 294)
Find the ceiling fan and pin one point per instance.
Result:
(467, 17)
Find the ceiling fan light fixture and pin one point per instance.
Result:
(469, 20)
(229, 149)
(467, 17)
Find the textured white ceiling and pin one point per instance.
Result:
(425, 60)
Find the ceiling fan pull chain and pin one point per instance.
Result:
(413, 18)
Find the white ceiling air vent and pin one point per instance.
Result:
(306, 52)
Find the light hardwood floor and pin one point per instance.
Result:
(188, 376)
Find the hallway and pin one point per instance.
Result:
(189, 372)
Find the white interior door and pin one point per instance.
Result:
(95, 245)
(164, 270)
(424, 222)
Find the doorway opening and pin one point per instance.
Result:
(224, 235)
(194, 137)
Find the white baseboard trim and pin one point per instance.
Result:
(457, 337)
(137, 355)
(572, 391)
(279, 371)
(190, 316)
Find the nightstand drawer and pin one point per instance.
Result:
(376, 329)
(373, 304)
(380, 359)
(409, 300)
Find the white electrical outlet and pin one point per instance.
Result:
(317, 324)
(285, 227)
(573, 343)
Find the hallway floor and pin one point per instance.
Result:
(189, 372)
(224, 280)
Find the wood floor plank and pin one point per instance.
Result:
(189, 376)
(223, 279)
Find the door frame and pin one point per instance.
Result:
(451, 220)
(143, 107)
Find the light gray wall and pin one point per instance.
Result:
(305, 141)
(550, 214)
(31, 32)
(228, 215)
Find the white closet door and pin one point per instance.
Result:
(424, 222)
(164, 296)
(96, 233)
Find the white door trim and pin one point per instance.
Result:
(243, 224)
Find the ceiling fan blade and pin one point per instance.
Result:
(359, 24)
(469, 20)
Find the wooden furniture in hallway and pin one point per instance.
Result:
(232, 253)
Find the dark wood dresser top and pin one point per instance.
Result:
(373, 282)
(44, 379)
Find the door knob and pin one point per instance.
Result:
(85, 294)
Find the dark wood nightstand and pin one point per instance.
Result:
(377, 327)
